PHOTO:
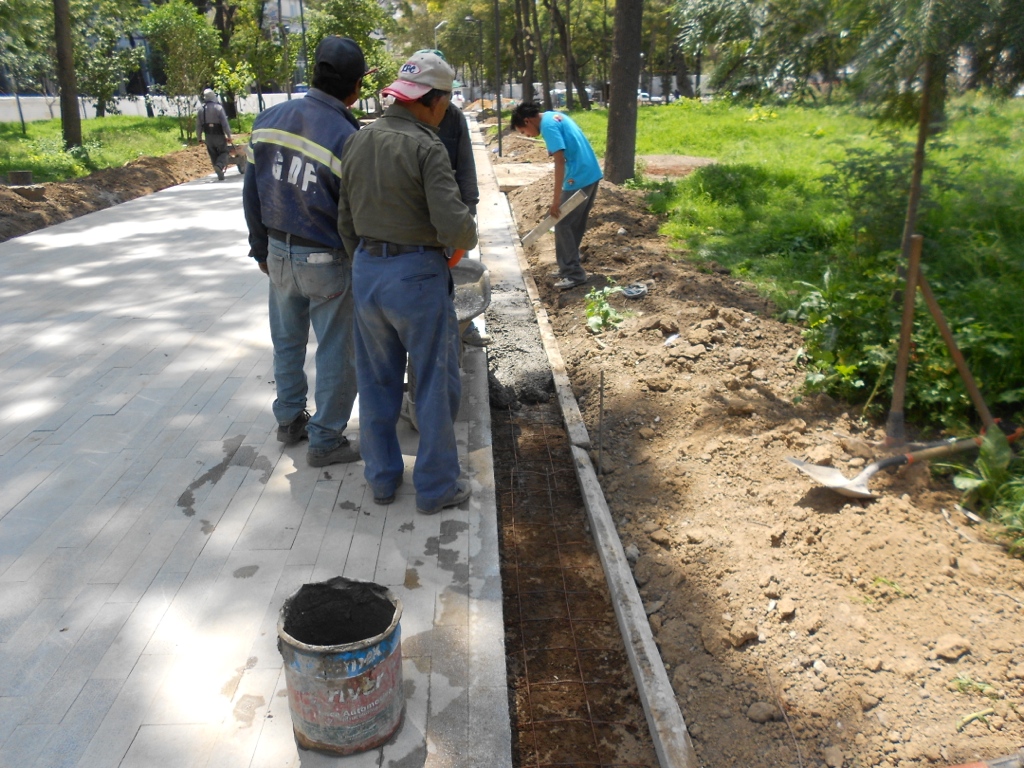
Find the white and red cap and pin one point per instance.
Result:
(419, 75)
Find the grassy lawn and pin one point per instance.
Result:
(108, 142)
(809, 204)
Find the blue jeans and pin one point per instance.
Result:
(312, 286)
(403, 305)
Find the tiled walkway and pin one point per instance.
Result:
(151, 525)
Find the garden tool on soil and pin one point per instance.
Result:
(534, 234)
(895, 435)
(857, 488)
(1008, 761)
(237, 155)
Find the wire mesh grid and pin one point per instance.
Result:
(574, 699)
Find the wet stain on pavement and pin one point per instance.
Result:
(347, 505)
(208, 527)
(450, 560)
(246, 572)
(234, 454)
(412, 579)
(245, 709)
(406, 527)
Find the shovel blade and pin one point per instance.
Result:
(830, 477)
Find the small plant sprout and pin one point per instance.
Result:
(601, 316)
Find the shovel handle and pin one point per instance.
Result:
(948, 449)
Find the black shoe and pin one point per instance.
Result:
(384, 500)
(220, 174)
(343, 453)
(294, 431)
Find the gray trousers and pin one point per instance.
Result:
(217, 148)
(569, 234)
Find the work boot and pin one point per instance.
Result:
(343, 453)
(566, 283)
(460, 494)
(294, 431)
(474, 338)
(220, 174)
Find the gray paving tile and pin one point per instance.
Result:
(147, 511)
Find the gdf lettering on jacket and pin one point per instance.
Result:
(294, 154)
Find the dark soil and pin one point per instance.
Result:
(337, 612)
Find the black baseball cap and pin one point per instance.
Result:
(343, 55)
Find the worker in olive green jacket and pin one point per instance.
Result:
(398, 211)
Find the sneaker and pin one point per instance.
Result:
(294, 431)
(343, 453)
(474, 338)
(382, 500)
(566, 283)
(461, 493)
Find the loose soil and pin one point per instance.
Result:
(338, 612)
(68, 199)
(799, 627)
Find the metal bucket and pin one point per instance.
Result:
(344, 698)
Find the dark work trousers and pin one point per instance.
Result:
(217, 146)
(569, 234)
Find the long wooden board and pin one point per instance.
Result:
(534, 234)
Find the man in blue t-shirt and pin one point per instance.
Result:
(576, 168)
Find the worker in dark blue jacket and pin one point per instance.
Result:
(290, 197)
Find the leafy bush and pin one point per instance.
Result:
(809, 205)
(995, 487)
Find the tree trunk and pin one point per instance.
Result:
(545, 75)
(683, 84)
(70, 119)
(529, 48)
(571, 77)
(620, 155)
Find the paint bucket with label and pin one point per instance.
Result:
(342, 649)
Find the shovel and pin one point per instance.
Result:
(857, 488)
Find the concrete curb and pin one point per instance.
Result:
(664, 719)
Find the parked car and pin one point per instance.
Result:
(642, 97)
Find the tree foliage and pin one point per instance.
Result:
(102, 63)
(364, 21)
(187, 45)
(879, 46)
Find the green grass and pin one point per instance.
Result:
(808, 204)
(107, 142)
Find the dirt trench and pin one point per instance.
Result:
(799, 628)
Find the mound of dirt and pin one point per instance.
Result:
(68, 199)
(799, 627)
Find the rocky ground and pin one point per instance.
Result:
(799, 627)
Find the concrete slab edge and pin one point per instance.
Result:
(664, 719)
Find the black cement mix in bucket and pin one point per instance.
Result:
(341, 642)
(338, 612)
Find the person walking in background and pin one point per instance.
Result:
(212, 123)
(399, 209)
(290, 197)
(576, 168)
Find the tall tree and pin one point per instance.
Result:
(620, 154)
(70, 120)
(187, 45)
(102, 64)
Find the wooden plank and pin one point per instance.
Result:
(664, 719)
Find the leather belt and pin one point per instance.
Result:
(381, 248)
(290, 239)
